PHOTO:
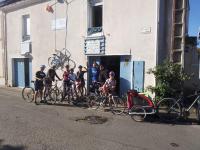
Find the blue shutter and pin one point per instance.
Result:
(30, 73)
(138, 75)
(19, 73)
(125, 74)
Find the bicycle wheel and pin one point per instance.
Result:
(28, 94)
(94, 101)
(81, 92)
(52, 61)
(69, 62)
(55, 96)
(168, 109)
(119, 105)
(66, 53)
(137, 113)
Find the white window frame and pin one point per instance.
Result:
(26, 31)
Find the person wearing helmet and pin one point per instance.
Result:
(39, 76)
(80, 82)
(51, 74)
(110, 83)
(109, 87)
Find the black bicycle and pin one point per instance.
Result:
(97, 99)
(170, 109)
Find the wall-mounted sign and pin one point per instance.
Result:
(95, 45)
(58, 24)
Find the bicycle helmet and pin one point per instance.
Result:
(80, 66)
(42, 66)
(112, 73)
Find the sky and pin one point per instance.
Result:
(194, 19)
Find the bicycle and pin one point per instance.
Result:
(61, 59)
(53, 94)
(81, 90)
(100, 99)
(170, 109)
(70, 92)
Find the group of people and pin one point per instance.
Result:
(106, 80)
(98, 74)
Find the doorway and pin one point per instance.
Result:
(22, 72)
(111, 63)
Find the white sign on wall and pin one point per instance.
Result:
(95, 46)
(58, 24)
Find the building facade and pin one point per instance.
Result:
(126, 36)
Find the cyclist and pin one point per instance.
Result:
(40, 75)
(110, 86)
(51, 74)
(66, 80)
(72, 78)
(72, 75)
(80, 82)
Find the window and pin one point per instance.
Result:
(95, 16)
(26, 28)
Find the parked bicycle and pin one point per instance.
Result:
(100, 100)
(170, 109)
(70, 93)
(53, 94)
(60, 59)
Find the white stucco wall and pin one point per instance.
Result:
(123, 22)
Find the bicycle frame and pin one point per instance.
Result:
(181, 100)
(197, 98)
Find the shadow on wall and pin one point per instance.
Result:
(124, 86)
(9, 147)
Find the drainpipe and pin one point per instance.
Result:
(4, 28)
(157, 31)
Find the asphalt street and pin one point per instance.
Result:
(25, 126)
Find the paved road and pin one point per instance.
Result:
(46, 127)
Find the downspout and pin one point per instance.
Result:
(157, 31)
(5, 48)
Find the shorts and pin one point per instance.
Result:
(47, 82)
(39, 85)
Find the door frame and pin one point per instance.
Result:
(13, 69)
